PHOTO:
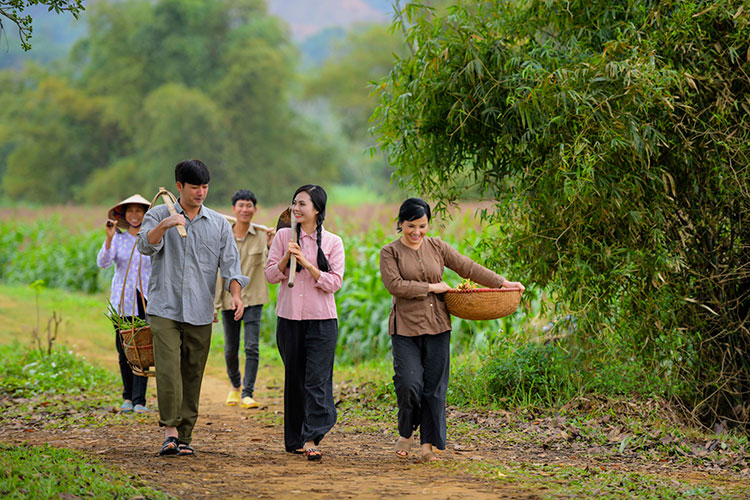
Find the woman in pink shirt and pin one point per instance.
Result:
(307, 326)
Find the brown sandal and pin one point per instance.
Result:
(428, 457)
(402, 447)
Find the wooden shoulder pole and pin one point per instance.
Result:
(170, 206)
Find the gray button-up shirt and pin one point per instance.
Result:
(183, 270)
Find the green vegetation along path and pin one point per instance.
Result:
(240, 455)
(594, 449)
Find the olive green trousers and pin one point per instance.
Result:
(180, 354)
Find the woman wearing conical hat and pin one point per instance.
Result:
(123, 222)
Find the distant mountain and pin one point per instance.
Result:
(381, 5)
(309, 17)
(315, 25)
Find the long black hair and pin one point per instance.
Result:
(412, 209)
(319, 198)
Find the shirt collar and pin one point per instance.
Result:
(313, 236)
(250, 230)
(180, 210)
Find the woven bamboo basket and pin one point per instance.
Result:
(139, 350)
(482, 303)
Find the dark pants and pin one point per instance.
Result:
(421, 368)
(133, 386)
(180, 353)
(251, 318)
(307, 349)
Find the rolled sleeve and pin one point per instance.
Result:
(394, 283)
(272, 272)
(330, 281)
(144, 247)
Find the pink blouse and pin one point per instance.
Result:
(308, 299)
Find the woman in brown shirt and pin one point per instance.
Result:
(420, 326)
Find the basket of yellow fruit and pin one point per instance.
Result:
(468, 301)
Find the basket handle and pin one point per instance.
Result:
(121, 306)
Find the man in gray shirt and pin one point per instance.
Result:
(181, 293)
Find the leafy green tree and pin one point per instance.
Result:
(13, 11)
(614, 138)
(345, 85)
(154, 83)
(347, 77)
(61, 132)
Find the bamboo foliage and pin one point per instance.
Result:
(614, 138)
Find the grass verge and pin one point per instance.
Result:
(48, 472)
(57, 390)
(563, 481)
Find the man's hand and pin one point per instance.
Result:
(270, 233)
(235, 289)
(157, 233)
(237, 307)
(173, 220)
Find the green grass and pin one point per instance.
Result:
(601, 483)
(44, 472)
(66, 390)
(59, 390)
(85, 328)
(29, 372)
(353, 196)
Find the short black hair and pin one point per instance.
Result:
(413, 209)
(244, 194)
(192, 172)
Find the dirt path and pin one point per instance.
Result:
(240, 455)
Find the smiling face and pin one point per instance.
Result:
(303, 210)
(414, 231)
(134, 214)
(244, 210)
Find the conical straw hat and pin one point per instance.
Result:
(118, 211)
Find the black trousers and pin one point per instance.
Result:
(421, 368)
(307, 349)
(133, 386)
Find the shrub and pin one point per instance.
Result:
(26, 372)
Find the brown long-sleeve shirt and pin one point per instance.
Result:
(407, 274)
